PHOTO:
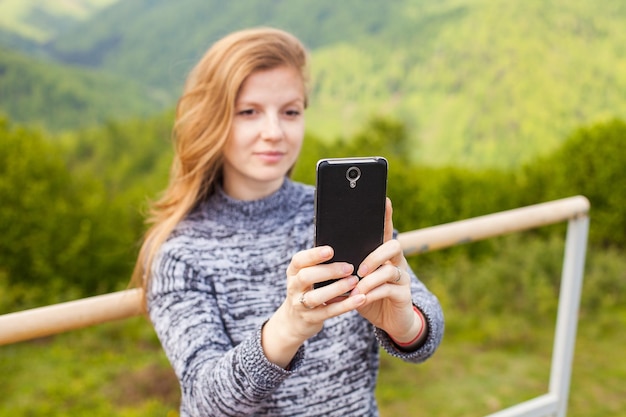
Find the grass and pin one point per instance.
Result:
(119, 369)
(496, 352)
(470, 379)
(113, 369)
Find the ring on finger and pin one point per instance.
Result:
(399, 274)
(303, 301)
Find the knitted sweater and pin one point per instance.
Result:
(221, 275)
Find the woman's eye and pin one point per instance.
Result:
(246, 112)
(292, 113)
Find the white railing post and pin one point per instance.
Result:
(554, 403)
(567, 316)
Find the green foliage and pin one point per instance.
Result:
(63, 237)
(42, 20)
(476, 83)
(131, 158)
(379, 137)
(58, 97)
(591, 163)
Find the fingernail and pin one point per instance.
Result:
(325, 252)
(355, 292)
(362, 270)
(358, 299)
(347, 268)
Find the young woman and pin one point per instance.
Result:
(229, 263)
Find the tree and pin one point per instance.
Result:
(591, 163)
(61, 236)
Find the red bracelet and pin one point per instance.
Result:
(419, 334)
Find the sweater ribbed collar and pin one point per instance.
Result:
(226, 208)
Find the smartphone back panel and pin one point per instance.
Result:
(350, 206)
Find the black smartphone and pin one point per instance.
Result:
(350, 198)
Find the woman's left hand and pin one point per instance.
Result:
(386, 284)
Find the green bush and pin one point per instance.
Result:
(62, 235)
(591, 163)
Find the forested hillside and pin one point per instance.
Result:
(58, 97)
(41, 20)
(477, 83)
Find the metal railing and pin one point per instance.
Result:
(49, 320)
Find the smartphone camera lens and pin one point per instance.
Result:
(352, 175)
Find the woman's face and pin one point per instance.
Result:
(267, 133)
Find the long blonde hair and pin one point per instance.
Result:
(204, 115)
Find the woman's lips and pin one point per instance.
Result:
(271, 156)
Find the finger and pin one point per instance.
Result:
(388, 235)
(323, 312)
(386, 274)
(398, 275)
(377, 287)
(311, 275)
(348, 304)
(323, 295)
(309, 257)
(390, 251)
(387, 291)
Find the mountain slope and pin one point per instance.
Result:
(40, 20)
(157, 41)
(495, 84)
(57, 97)
(480, 82)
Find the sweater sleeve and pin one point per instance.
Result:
(216, 378)
(430, 307)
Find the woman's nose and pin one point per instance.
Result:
(272, 128)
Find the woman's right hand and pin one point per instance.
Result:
(305, 309)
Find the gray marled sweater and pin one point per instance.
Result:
(221, 275)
